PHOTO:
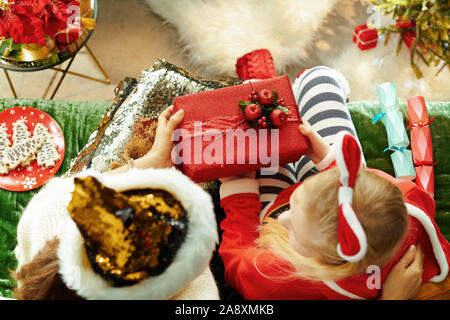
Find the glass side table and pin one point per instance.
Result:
(53, 60)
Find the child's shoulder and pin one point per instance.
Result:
(411, 192)
(404, 185)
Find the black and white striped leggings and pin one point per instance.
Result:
(322, 102)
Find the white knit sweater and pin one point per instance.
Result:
(44, 217)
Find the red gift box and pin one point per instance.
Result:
(417, 112)
(257, 64)
(217, 141)
(68, 36)
(421, 146)
(425, 178)
(365, 38)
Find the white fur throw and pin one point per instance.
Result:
(216, 33)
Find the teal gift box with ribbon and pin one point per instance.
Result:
(403, 164)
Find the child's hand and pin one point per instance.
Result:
(319, 148)
(405, 278)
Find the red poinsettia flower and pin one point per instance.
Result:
(29, 21)
(24, 28)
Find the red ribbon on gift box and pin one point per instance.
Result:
(365, 38)
(257, 64)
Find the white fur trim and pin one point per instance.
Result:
(335, 287)
(353, 222)
(439, 254)
(345, 195)
(344, 174)
(349, 213)
(236, 186)
(191, 259)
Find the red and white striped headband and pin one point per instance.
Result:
(352, 241)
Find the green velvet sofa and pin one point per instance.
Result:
(78, 119)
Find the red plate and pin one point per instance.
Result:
(33, 176)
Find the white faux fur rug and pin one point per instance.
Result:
(365, 70)
(214, 33)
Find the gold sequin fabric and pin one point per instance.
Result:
(154, 92)
(130, 235)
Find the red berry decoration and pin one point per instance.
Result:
(260, 112)
(265, 96)
(278, 117)
(252, 111)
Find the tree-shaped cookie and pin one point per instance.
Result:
(4, 145)
(20, 131)
(20, 152)
(47, 155)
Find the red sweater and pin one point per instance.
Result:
(252, 271)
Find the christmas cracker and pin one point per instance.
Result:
(392, 119)
(421, 143)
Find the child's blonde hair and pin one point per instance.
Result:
(381, 211)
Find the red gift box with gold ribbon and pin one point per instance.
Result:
(215, 140)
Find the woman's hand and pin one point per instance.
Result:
(319, 148)
(160, 154)
(405, 278)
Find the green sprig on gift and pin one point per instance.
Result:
(265, 109)
(425, 24)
